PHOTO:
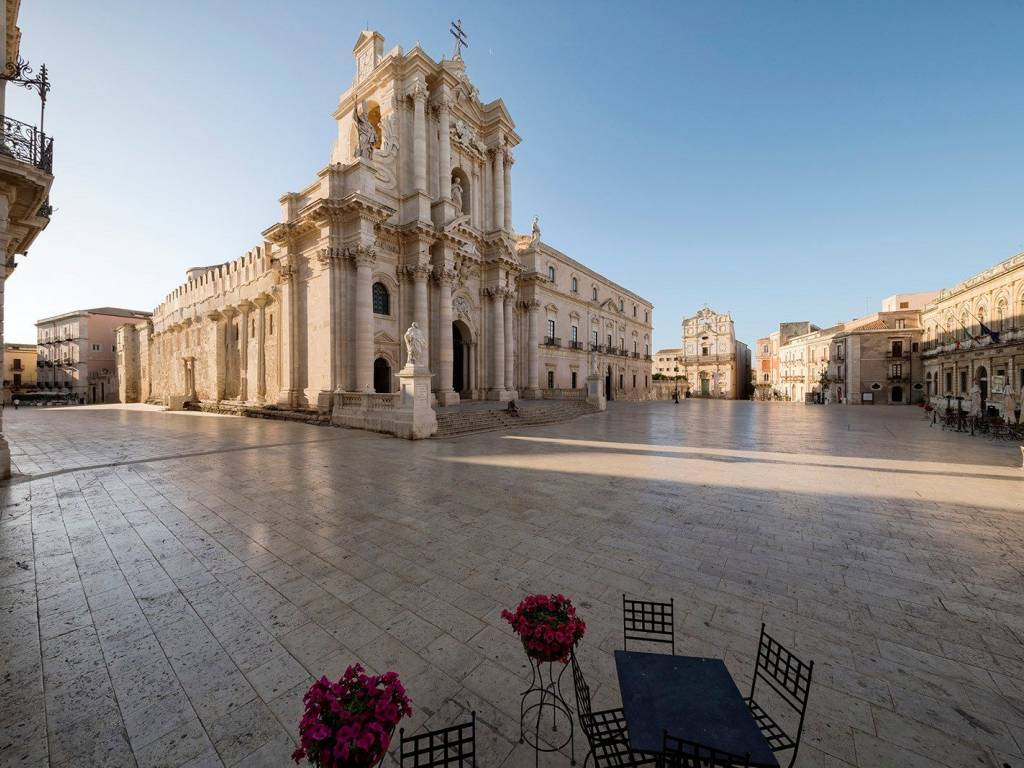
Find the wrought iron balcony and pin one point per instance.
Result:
(575, 345)
(552, 341)
(897, 355)
(27, 144)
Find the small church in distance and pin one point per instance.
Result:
(410, 221)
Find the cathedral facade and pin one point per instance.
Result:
(411, 221)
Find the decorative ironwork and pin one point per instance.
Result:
(27, 143)
(545, 693)
(22, 73)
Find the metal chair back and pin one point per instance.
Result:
(785, 674)
(683, 753)
(579, 682)
(451, 747)
(648, 621)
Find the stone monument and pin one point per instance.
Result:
(414, 418)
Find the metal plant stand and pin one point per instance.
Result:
(545, 694)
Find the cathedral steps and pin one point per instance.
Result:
(306, 416)
(456, 422)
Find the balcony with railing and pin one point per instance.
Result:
(575, 344)
(27, 144)
(552, 341)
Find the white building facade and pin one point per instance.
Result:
(410, 222)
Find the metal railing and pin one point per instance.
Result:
(552, 341)
(575, 345)
(27, 144)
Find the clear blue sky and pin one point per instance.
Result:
(780, 160)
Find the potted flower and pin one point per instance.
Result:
(547, 625)
(349, 723)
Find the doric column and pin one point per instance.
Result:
(289, 394)
(533, 372)
(261, 356)
(444, 148)
(364, 259)
(419, 138)
(508, 189)
(231, 351)
(244, 307)
(509, 340)
(216, 333)
(446, 359)
(497, 342)
(498, 215)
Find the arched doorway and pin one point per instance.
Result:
(982, 375)
(705, 384)
(608, 384)
(460, 357)
(896, 396)
(381, 375)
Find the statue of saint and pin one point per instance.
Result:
(457, 193)
(366, 134)
(536, 228)
(416, 344)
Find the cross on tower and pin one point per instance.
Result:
(460, 37)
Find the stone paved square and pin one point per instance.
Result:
(170, 583)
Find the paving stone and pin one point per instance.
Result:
(193, 598)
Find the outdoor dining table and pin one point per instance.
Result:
(692, 698)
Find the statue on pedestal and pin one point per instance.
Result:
(536, 228)
(416, 344)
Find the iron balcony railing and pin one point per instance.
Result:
(575, 344)
(27, 143)
(552, 341)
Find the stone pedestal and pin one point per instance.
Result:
(414, 418)
(595, 392)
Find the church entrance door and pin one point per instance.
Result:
(381, 375)
(608, 384)
(460, 357)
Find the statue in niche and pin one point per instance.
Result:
(416, 344)
(457, 193)
(366, 133)
(536, 228)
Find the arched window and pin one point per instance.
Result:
(575, 286)
(381, 299)
(1001, 315)
(595, 295)
(551, 274)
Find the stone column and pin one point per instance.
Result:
(508, 190)
(289, 395)
(533, 354)
(421, 303)
(444, 148)
(232, 353)
(446, 358)
(216, 333)
(261, 356)
(245, 307)
(419, 139)
(509, 341)
(364, 260)
(497, 344)
(498, 215)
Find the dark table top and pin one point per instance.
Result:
(692, 698)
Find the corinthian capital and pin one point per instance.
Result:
(418, 92)
(445, 275)
(363, 255)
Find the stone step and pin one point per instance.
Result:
(459, 423)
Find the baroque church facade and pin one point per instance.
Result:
(411, 221)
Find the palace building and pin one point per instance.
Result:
(410, 221)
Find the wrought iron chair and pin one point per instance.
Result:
(451, 747)
(605, 730)
(683, 753)
(790, 678)
(648, 621)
